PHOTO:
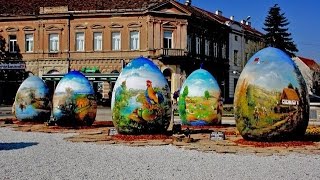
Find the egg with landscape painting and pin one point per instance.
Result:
(200, 100)
(141, 99)
(271, 98)
(74, 101)
(32, 101)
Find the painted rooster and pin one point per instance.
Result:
(152, 96)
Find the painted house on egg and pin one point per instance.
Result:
(289, 97)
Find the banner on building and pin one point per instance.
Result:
(13, 66)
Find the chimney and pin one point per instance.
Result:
(232, 18)
(218, 12)
(187, 3)
(248, 23)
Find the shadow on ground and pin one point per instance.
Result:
(16, 145)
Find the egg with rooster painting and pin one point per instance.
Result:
(74, 101)
(32, 101)
(141, 99)
(271, 98)
(200, 101)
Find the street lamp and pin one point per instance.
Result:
(243, 39)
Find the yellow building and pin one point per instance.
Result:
(99, 37)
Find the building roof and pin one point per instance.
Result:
(310, 63)
(31, 7)
(218, 18)
(289, 94)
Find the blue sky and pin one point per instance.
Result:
(303, 16)
(200, 81)
(138, 71)
(271, 76)
(76, 81)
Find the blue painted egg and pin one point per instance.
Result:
(200, 100)
(271, 98)
(141, 99)
(74, 101)
(32, 102)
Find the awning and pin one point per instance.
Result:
(90, 76)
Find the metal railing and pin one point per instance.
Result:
(172, 52)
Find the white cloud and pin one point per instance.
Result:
(75, 85)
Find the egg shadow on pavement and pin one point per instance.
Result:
(16, 145)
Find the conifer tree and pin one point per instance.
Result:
(277, 34)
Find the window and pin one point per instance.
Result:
(246, 58)
(97, 41)
(116, 41)
(224, 51)
(235, 57)
(80, 41)
(53, 42)
(29, 42)
(235, 81)
(198, 45)
(207, 47)
(167, 39)
(134, 40)
(12, 43)
(236, 38)
(189, 43)
(215, 49)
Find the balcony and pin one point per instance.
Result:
(168, 52)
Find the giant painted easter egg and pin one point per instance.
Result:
(32, 102)
(271, 101)
(74, 101)
(199, 100)
(141, 99)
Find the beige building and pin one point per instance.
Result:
(100, 37)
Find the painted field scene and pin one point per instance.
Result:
(271, 104)
(199, 101)
(74, 102)
(141, 99)
(32, 102)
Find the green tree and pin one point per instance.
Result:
(206, 94)
(185, 92)
(277, 34)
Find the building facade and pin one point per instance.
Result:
(244, 42)
(310, 71)
(101, 37)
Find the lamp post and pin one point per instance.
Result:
(243, 39)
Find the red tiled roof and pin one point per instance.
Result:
(218, 18)
(30, 7)
(310, 63)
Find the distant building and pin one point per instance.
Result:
(310, 71)
(244, 42)
(101, 37)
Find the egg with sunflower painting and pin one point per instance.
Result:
(141, 99)
(271, 98)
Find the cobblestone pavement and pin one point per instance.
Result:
(199, 140)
